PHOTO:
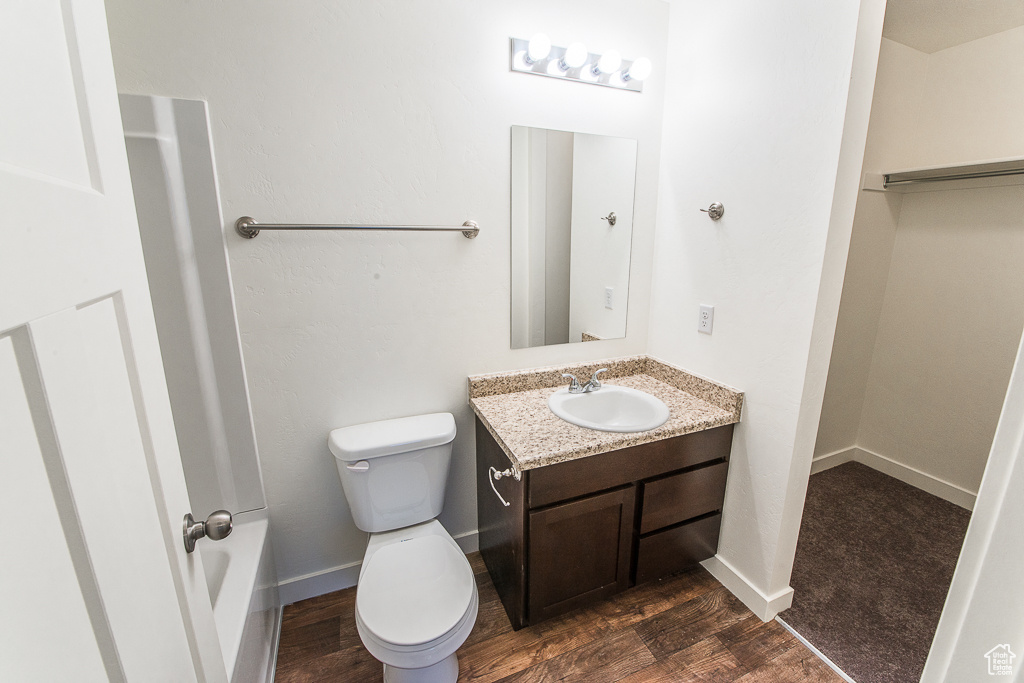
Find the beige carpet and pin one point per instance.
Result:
(873, 565)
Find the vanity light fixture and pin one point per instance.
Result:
(639, 71)
(574, 63)
(538, 49)
(609, 63)
(575, 56)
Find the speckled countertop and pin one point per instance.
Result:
(513, 406)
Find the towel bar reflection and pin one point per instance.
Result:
(247, 227)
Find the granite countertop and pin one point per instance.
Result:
(513, 407)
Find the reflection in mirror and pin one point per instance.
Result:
(572, 225)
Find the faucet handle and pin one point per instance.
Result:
(574, 385)
(594, 382)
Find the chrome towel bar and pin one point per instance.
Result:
(247, 227)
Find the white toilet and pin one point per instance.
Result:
(416, 601)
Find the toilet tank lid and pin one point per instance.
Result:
(388, 437)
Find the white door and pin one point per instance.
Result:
(95, 584)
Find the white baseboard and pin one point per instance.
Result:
(347, 575)
(318, 583)
(908, 475)
(833, 459)
(764, 606)
(469, 541)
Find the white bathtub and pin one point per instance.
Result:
(243, 592)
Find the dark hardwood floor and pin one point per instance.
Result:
(685, 628)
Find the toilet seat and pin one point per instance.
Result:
(416, 601)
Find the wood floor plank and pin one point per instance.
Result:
(659, 672)
(796, 665)
(602, 661)
(685, 628)
(496, 658)
(491, 622)
(354, 664)
(647, 600)
(755, 642)
(476, 561)
(321, 607)
(682, 626)
(300, 644)
(706, 661)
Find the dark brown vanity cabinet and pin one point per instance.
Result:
(577, 532)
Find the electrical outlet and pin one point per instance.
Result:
(608, 292)
(706, 319)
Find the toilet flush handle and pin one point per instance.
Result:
(360, 466)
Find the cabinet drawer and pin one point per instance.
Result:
(680, 497)
(554, 483)
(677, 548)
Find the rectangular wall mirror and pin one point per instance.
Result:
(572, 228)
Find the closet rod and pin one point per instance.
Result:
(247, 227)
(993, 169)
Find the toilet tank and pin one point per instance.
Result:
(394, 472)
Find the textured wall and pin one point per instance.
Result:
(900, 80)
(754, 118)
(972, 102)
(384, 112)
(932, 311)
(948, 332)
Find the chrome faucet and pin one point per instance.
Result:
(574, 384)
(593, 385)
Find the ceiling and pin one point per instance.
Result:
(933, 25)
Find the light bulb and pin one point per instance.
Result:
(538, 49)
(609, 63)
(639, 70)
(575, 56)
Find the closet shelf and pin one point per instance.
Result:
(992, 173)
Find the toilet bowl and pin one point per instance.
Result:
(416, 600)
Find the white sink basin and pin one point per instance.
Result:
(610, 409)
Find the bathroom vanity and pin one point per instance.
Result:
(592, 512)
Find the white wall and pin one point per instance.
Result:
(986, 597)
(754, 118)
(972, 102)
(948, 332)
(909, 380)
(520, 248)
(558, 236)
(536, 235)
(385, 112)
(603, 182)
(901, 76)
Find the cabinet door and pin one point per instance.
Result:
(579, 552)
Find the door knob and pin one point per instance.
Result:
(216, 527)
